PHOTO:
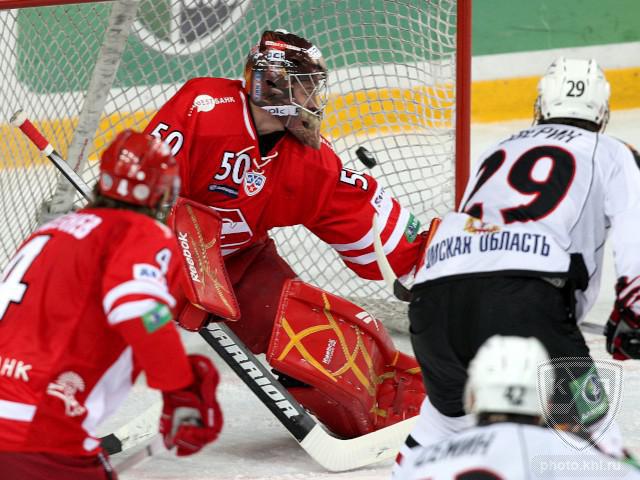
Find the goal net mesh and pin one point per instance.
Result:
(392, 90)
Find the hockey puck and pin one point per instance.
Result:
(366, 157)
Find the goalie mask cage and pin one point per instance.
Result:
(83, 71)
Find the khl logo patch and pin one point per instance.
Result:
(253, 183)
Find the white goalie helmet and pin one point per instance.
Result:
(503, 377)
(573, 88)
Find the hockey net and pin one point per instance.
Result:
(83, 71)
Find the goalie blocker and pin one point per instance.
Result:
(334, 358)
(206, 284)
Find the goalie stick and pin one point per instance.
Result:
(401, 292)
(332, 453)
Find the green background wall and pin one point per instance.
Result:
(504, 26)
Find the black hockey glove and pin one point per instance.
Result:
(623, 328)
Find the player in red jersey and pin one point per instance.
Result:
(253, 152)
(85, 305)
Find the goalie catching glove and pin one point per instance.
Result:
(191, 417)
(623, 328)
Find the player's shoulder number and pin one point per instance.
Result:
(354, 178)
(173, 138)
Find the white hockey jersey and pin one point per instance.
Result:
(537, 197)
(510, 451)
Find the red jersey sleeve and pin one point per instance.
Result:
(348, 202)
(139, 288)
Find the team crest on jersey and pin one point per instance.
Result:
(475, 225)
(65, 388)
(253, 183)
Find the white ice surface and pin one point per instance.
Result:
(255, 446)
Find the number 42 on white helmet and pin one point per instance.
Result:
(504, 377)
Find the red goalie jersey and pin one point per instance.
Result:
(75, 331)
(209, 127)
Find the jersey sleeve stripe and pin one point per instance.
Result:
(17, 411)
(364, 242)
(137, 287)
(388, 247)
(384, 210)
(130, 310)
(395, 237)
(228, 251)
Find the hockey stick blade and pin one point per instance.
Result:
(153, 448)
(19, 119)
(332, 453)
(135, 432)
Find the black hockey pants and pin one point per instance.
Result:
(451, 319)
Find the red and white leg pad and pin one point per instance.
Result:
(352, 377)
(401, 392)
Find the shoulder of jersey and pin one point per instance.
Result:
(631, 148)
(143, 224)
(319, 160)
(616, 147)
(209, 85)
(324, 143)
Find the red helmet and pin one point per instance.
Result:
(286, 75)
(140, 170)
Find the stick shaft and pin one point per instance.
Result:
(20, 120)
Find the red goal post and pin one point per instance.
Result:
(83, 70)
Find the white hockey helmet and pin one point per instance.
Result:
(573, 88)
(503, 377)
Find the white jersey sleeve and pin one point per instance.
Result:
(622, 208)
